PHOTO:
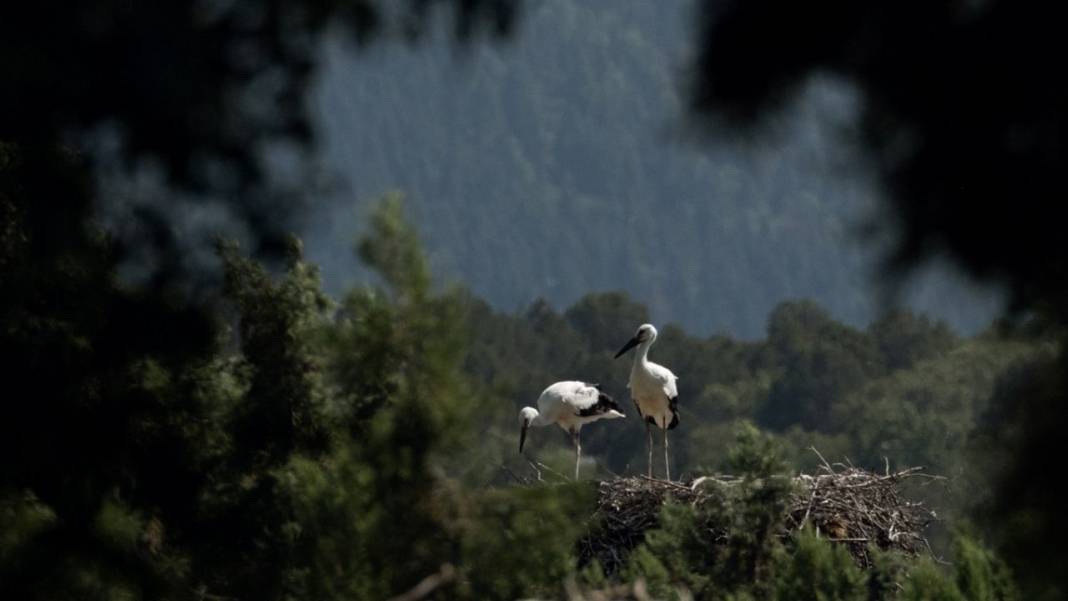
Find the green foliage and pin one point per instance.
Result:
(1016, 435)
(394, 357)
(682, 550)
(977, 575)
(249, 473)
(904, 338)
(400, 346)
(755, 509)
(729, 545)
(601, 319)
(981, 576)
(821, 361)
(520, 542)
(888, 569)
(118, 525)
(755, 454)
(392, 250)
(643, 563)
(926, 582)
(344, 538)
(819, 570)
(592, 575)
(22, 517)
(277, 322)
(704, 552)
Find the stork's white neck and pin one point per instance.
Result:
(641, 356)
(536, 419)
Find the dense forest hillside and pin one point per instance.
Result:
(559, 163)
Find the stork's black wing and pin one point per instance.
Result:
(673, 404)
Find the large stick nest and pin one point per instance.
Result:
(850, 506)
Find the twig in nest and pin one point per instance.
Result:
(667, 482)
(825, 464)
(808, 510)
(552, 471)
(605, 467)
(534, 466)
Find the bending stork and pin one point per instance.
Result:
(654, 391)
(569, 405)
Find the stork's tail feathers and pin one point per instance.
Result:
(604, 404)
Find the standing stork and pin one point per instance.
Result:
(569, 405)
(654, 391)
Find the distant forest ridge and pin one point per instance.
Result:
(561, 163)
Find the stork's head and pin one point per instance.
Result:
(526, 415)
(646, 333)
(608, 402)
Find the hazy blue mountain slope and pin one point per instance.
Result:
(553, 166)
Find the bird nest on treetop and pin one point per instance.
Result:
(853, 507)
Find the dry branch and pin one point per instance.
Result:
(445, 574)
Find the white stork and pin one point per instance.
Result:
(654, 391)
(569, 405)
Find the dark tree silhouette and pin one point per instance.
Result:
(963, 113)
(199, 88)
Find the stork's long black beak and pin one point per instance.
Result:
(633, 342)
(523, 434)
